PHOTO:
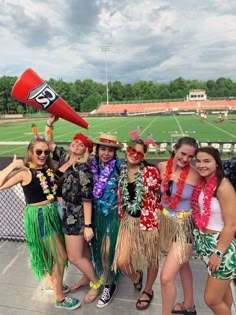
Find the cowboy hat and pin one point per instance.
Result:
(108, 141)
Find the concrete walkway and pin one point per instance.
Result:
(22, 294)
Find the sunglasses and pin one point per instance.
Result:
(138, 155)
(39, 152)
(169, 190)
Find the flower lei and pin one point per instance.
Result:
(51, 190)
(172, 201)
(101, 178)
(135, 205)
(202, 220)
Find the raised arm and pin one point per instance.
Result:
(9, 177)
(48, 132)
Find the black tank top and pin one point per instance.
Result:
(58, 177)
(33, 191)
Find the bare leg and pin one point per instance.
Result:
(151, 277)
(217, 296)
(187, 284)
(75, 248)
(84, 279)
(105, 253)
(58, 273)
(168, 275)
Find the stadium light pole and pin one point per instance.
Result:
(106, 48)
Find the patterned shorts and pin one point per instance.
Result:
(205, 244)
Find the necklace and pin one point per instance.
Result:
(47, 183)
(202, 220)
(101, 175)
(135, 205)
(172, 201)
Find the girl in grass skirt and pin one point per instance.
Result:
(105, 167)
(176, 225)
(138, 238)
(44, 237)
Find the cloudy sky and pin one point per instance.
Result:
(157, 40)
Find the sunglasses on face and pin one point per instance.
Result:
(39, 152)
(132, 151)
(169, 190)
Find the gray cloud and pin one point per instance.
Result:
(148, 40)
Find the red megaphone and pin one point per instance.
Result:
(32, 90)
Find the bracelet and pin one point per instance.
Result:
(218, 253)
(88, 225)
(48, 125)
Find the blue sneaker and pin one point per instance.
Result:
(68, 304)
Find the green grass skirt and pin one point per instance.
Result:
(41, 257)
(105, 235)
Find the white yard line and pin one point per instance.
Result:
(181, 130)
(228, 133)
(120, 126)
(148, 125)
(13, 150)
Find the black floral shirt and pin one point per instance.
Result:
(76, 188)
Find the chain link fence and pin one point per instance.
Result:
(11, 214)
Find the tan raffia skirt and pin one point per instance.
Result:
(177, 230)
(143, 246)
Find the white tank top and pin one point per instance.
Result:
(215, 222)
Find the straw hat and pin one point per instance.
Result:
(108, 141)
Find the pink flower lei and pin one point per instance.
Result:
(202, 220)
(101, 176)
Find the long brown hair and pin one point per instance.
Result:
(216, 156)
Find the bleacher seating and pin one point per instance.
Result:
(148, 107)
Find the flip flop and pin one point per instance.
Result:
(148, 302)
(93, 296)
(78, 287)
(183, 310)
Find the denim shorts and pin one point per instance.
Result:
(41, 222)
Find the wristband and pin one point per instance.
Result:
(88, 225)
(48, 125)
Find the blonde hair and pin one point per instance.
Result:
(81, 159)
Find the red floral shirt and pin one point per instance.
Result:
(151, 203)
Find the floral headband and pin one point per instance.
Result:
(35, 131)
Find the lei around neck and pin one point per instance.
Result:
(135, 206)
(48, 182)
(101, 175)
(173, 200)
(202, 220)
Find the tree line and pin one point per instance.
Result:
(87, 95)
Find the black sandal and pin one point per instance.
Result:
(183, 310)
(139, 284)
(141, 308)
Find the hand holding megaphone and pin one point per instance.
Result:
(52, 119)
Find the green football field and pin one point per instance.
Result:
(162, 128)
